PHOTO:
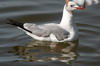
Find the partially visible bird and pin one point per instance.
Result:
(89, 2)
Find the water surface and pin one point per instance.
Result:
(18, 49)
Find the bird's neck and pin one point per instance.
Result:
(67, 19)
(68, 24)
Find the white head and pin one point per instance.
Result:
(71, 5)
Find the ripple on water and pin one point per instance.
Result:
(15, 45)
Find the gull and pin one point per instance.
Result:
(65, 31)
(89, 2)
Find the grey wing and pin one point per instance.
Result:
(37, 30)
(46, 30)
(60, 33)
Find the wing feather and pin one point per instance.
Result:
(46, 30)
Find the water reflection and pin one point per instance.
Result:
(47, 51)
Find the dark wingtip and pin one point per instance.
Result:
(10, 21)
(15, 23)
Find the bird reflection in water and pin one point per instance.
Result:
(47, 51)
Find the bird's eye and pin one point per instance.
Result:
(72, 5)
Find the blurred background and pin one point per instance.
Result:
(18, 49)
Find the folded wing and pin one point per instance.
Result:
(46, 30)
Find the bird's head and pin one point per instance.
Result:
(71, 5)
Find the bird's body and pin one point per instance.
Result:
(66, 30)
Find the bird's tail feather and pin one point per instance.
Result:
(15, 23)
(18, 24)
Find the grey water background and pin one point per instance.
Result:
(18, 49)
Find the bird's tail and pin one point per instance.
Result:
(17, 24)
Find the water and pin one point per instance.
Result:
(18, 49)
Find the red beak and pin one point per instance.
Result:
(82, 7)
